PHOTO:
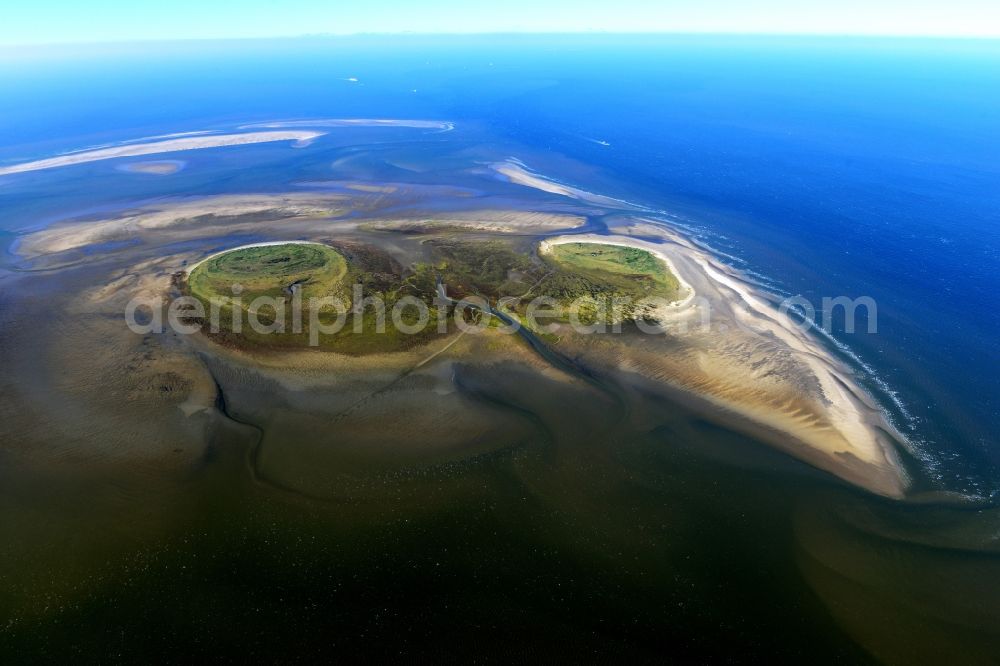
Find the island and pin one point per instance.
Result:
(373, 312)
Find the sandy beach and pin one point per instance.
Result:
(766, 369)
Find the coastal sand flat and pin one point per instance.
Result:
(202, 213)
(753, 363)
(295, 211)
(746, 357)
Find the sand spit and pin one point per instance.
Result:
(301, 138)
(516, 172)
(357, 122)
(755, 362)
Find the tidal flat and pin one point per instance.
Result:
(467, 483)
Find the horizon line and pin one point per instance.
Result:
(512, 33)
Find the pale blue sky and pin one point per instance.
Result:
(55, 21)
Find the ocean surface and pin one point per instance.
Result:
(821, 167)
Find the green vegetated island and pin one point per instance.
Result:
(501, 272)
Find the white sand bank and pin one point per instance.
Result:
(301, 138)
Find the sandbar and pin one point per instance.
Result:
(154, 168)
(301, 138)
(357, 122)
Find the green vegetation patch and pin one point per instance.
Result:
(298, 272)
(630, 270)
(271, 270)
(604, 283)
(609, 280)
(487, 268)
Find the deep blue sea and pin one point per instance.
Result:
(822, 167)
